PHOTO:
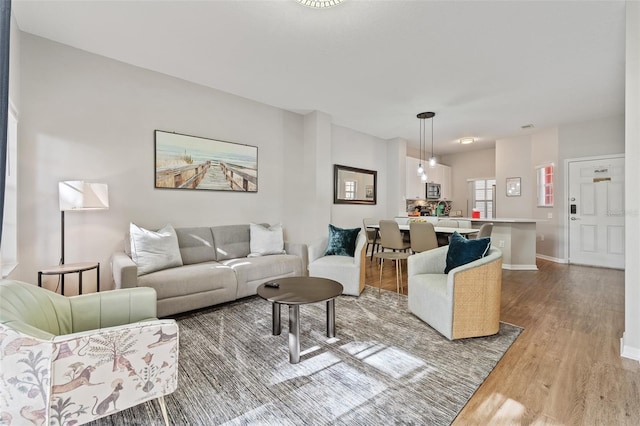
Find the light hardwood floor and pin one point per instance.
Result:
(565, 368)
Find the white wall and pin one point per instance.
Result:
(478, 164)
(355, 149)
(602, 136)
(14, 64)
(598, 137)
(520, 156)
(544, 150)
(318, 176)
(513, 159)
(630, 344)
(396, 177)
(88, 117)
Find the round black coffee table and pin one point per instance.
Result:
(296, 291)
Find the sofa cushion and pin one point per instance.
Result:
(342, 242)
(231, 241)
(462, 251)
(253, 271)
(154, 250)
(196, 245)
(189, 279)
(265, 240)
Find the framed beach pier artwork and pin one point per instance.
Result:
(191, 162)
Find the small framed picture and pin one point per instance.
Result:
(513, 187)
(368, 192)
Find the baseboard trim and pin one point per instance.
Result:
(519, 267)
(628, 351)
(551, 259)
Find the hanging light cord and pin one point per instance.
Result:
(420, 168)
(420, 141)
(432, 161)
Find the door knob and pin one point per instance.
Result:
(575, 218)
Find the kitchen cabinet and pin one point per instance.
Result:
(444, 176)
(440, 173)
(415, 188)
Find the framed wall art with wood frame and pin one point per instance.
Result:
(192, 162)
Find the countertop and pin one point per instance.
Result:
(501, 220)
(494, 220)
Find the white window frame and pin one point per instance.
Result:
(542, 186)
(349, 189)
(484, 203)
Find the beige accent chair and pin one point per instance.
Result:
(348, 271)
(463, 303)
(423, 236)
(72, 360)
(391, 238)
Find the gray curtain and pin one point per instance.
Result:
(5, 34)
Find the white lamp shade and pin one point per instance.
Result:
(80, 195)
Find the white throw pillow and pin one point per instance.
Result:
(153, 251)
(265, 241)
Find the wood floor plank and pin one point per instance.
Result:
(565, 368)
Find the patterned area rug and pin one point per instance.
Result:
(384, 366)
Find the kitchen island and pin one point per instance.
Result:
(516, 238)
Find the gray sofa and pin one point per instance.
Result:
(215, 269)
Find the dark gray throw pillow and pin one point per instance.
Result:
(342, 242)
(462, 251)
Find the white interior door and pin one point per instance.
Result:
(596, 212)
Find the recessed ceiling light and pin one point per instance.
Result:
(466, 141)
(527, 126)
(320, 4)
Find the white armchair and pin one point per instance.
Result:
(348, 271)
(71, 360)
(463, 303)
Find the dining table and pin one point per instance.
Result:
(465, 232)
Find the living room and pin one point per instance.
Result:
(85, 116)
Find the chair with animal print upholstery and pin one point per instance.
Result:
(71, 360)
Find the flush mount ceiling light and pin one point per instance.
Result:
(466, 141)
(320, 4)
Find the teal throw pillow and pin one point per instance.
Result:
(462, 251)
(342, 242)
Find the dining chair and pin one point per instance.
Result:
(443, 239)
(485, 230)
(391, 238)
(464, 224)
(373, 237)
(447, 223)
(423, 236)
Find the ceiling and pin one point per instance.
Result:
(485, 68)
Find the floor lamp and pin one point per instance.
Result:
(80, 195)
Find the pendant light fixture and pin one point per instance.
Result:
(423, 116)
(432, 160)
(420, 168)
